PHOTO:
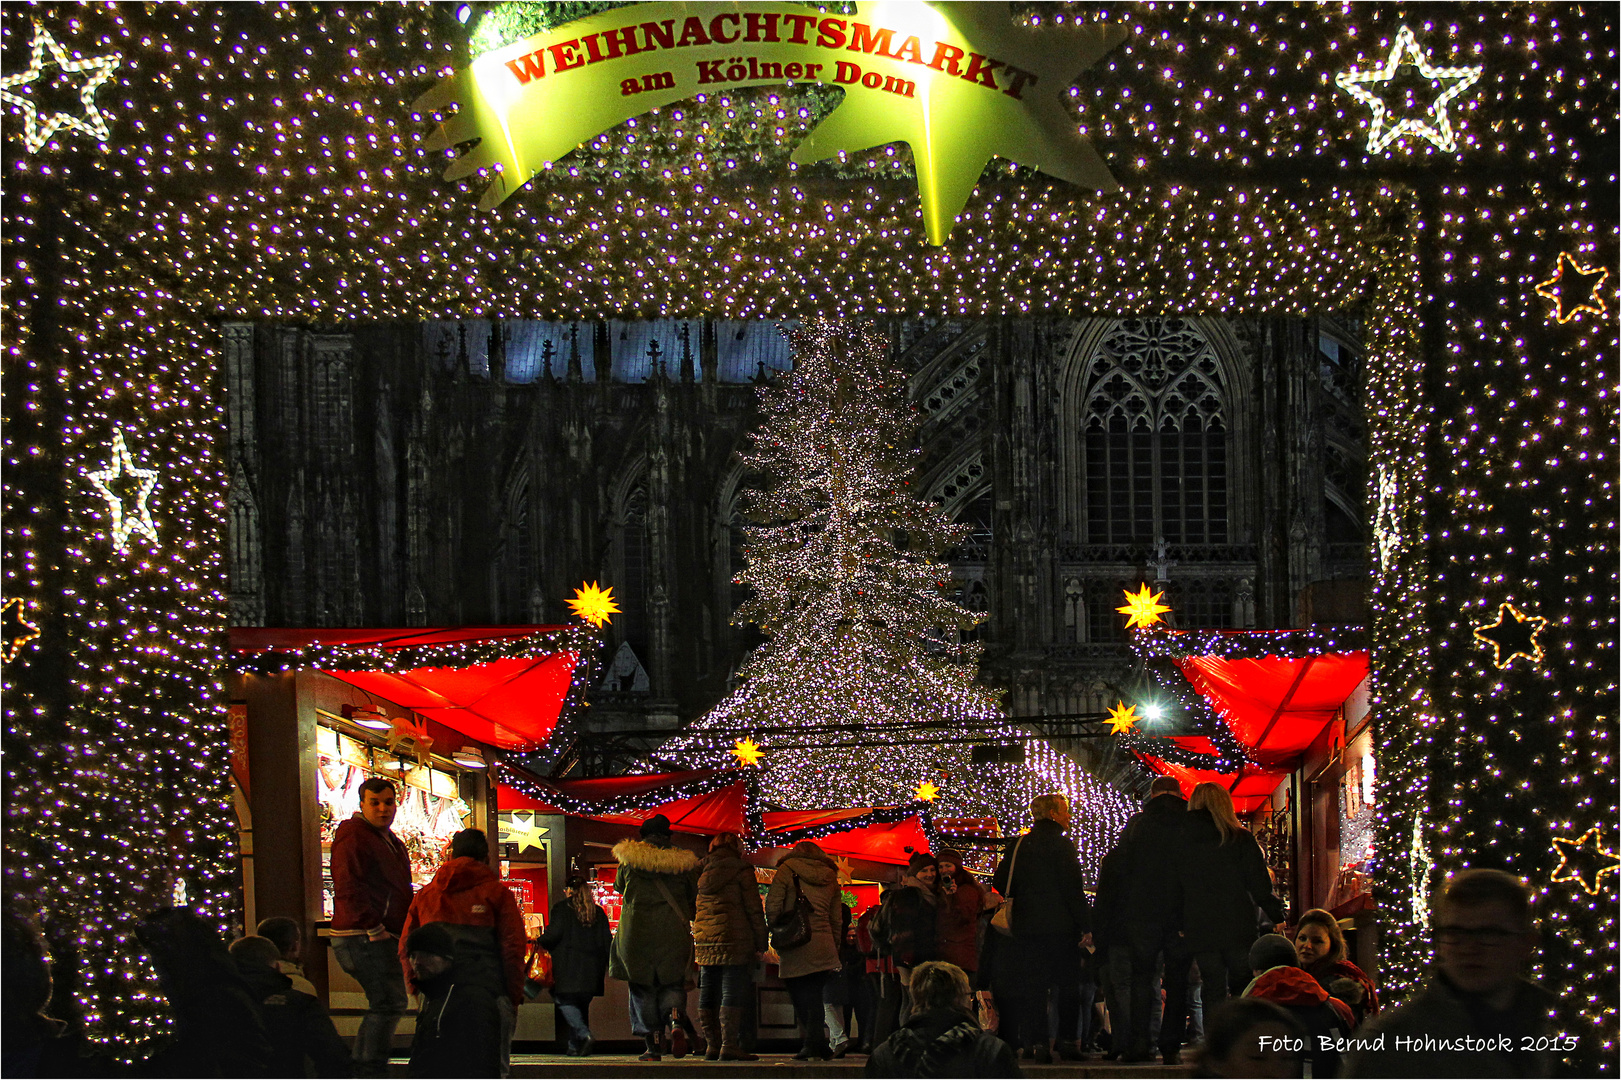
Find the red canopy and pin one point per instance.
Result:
(719, 807)
(1250, 787)
(881, 843)
(718, 811)
(510, 701)
(1276, 707)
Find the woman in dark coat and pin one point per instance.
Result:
(1321, 947)
(728, 933)
(1224, 880)
(579, 940)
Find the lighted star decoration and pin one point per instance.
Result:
(1122, 718)
(747, 751)
(518, 827)
(18, 631)
(39, 126)
(128, 491)
(1584, 861)
(594, 605)
(847, 871)
(1013, 102)
(1142, 609)
(1513, 634)
(1368, 86)
(1574, 288)
(926, 792)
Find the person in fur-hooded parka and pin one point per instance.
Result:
(654, 943)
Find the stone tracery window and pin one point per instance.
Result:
(1155, 436)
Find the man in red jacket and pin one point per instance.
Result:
(467, 899)
(371, 876)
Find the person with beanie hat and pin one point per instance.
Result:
(458, 1028)
(658, 886)
(1282, 982)
(908, 922)
(962, 900)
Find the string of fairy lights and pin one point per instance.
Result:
(261, 162)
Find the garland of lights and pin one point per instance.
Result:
(1239, 644)
(577, 640)
(241, 186)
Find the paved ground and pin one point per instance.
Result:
(777, 1065)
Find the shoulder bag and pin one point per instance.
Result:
(1002, 921)
(792, 926)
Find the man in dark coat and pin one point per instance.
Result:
(297, 1023)
(458, 1026)
(1151, 923)
(942, 1038)
(1108, 934)
(1041, 878)
(1484, 938)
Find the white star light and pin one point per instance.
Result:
(1438, 128)
(136, 518)
(37, 130)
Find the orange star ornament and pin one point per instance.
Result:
(592, 604)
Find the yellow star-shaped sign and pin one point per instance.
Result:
(747, 751)
(1142, 609)
(1581, 283)
(1122, 718)
(1513, 634)
(592, 604)
(1584, 861)
(127, 489)
(959, 83)
(926, 792)
(1368, 86)
(847, 872)
(518, 827)
(39, 126)
(18, 631)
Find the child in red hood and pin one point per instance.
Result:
(1282, 981)
(483, 920)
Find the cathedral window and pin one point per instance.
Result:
(1155, 436)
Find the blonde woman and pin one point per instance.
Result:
(1224, 881)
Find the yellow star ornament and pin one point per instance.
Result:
(39, 125)
(1122, 718)
(1142, 609)
(1584, 861)
(1513, 634)
(518, 827)
(926, 792)
(1574, 288)
(1373, 86)
(959, 83)
(127, 488)
(747, 751)
(592, 604)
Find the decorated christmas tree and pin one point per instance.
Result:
(864, 692)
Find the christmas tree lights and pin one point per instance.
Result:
(262, 162)
(864, 693)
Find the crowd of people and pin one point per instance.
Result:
(946, 975)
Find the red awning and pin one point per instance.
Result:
(511, 702)
(717, 811)
(882, 843)
(1250, 787)
(1276, 707)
